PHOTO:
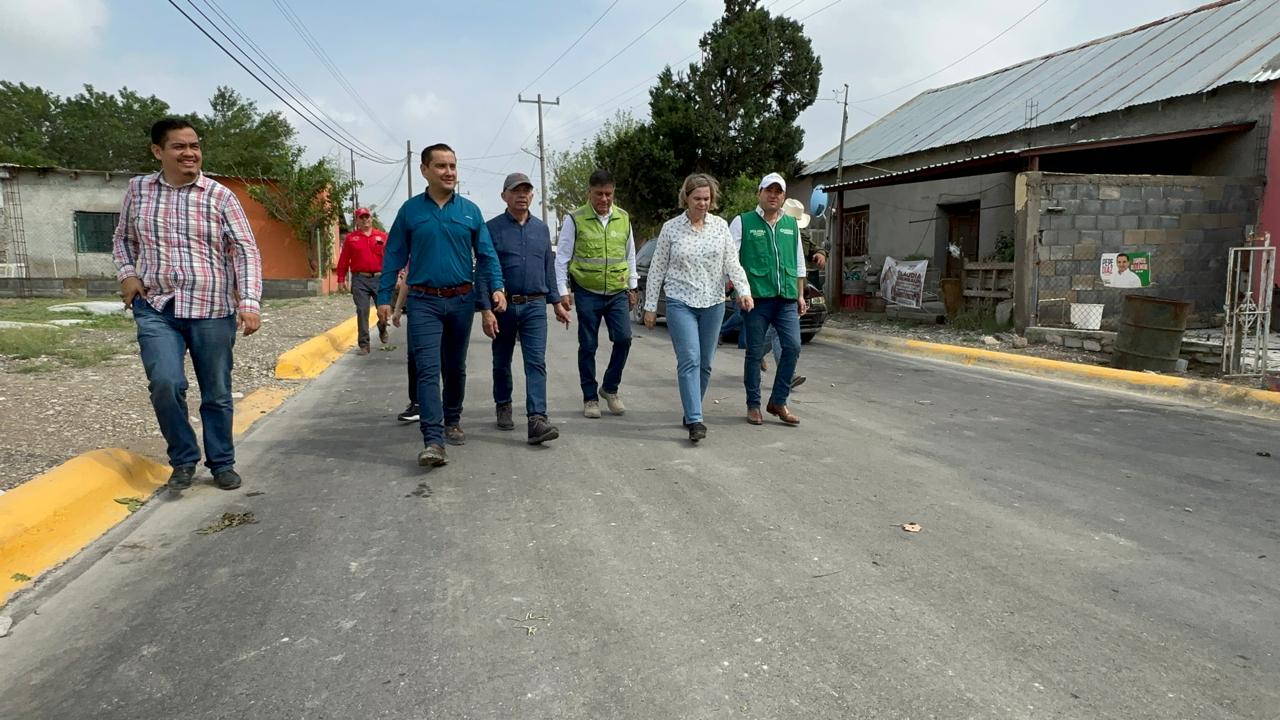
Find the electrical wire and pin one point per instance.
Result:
(626, 47)
(571, 47)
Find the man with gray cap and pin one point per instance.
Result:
(772, 253)
(523, 243)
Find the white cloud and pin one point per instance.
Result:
(53, 25)
(423, 107)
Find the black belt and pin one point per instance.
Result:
(522, 299)
(447, 292)
(367, 274)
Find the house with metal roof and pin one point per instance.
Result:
(1155, 144)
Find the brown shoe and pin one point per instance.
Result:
(754, 417)
(364, 350)
(783, 413)
(383, 336)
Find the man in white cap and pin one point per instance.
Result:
(773, 256)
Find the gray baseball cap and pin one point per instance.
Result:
(515, 180)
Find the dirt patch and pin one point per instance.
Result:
(51, 411)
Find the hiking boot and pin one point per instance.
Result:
(383, 336)
(454, 436)
(797, 381)
(504, 417)
(432, 456)
(591, 409)
(540, 430)
(227, 479)
(614, 402)
(697, 431)
(410, 414)
(182, 477)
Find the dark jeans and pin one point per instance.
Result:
(412, 366)
(439, 334)
(528, 322)
(164, 341)
(784, 317)
(616, 314)
(364, 290)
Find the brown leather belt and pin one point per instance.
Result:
(522, 299)
(368, 274)
(448, 292)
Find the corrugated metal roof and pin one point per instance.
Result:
(1225, 42)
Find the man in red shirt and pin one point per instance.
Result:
(362, 256)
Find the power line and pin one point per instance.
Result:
(571, 47)
(396, 187)
(301, 28)
(957, 62)
(269, 89)
(314, 108)
(821, 9)
(626, 47)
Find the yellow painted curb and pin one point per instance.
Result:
(50, 518)
(1227, 397)
(312, 357)
(256, 404)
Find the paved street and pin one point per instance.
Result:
(1083, 555)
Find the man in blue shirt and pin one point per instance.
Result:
(443, 240)
(523, 243)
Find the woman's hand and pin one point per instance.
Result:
(650, 318)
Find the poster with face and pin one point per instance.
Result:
(1126, 269)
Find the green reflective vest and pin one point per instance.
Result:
(599, 259)
(768, 255)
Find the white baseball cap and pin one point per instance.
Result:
(773, 179)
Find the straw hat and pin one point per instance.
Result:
(795, 209)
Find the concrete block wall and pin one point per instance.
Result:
(1186, 223)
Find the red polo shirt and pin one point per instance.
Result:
(361, 253)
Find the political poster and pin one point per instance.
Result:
(902, 282)
(1125, 270)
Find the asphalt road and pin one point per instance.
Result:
(1083, 554)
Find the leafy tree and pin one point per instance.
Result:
(27, 116)
(96, 130)
(739, 195)
(238, 139)
(307, 198)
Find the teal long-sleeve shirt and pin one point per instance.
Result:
(438, 243)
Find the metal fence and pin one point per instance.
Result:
(1090, 296)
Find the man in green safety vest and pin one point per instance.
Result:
(596, 271)
(772, 253)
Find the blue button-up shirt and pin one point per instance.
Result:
(524, 251)
(438, 243)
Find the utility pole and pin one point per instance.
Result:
(355, 194)
(844, 128)
(408, 167)
(542, 148)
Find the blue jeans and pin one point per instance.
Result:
(439, 335)
(616, 314)
(783, 316)
(164, 341)
(528, 322)
(694, 332)
(734, 322)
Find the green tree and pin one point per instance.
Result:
(97, 130)
(27, 117)
(238, 139)
(308, 198)
(739, 195)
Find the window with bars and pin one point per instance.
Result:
(94, 231)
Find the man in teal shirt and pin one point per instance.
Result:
(440, 236)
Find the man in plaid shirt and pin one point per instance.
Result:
(182, 247)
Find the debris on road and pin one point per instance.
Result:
(20, 577)
(911, 527)
(228, 520)
(525, 623)
(422, 491)
(133, 503)
(924, 402)
(1263, 453)
(255, 493)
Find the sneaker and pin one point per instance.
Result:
(227, 479)
(432, 455)
(797, 381)
(504, 417)
(383, 336)
(181, 478)
(540, 430)
(410, 414)
(697, 431)
(614, 402)
(454, 435)
(591, 409)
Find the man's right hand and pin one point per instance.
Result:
(344, 287)
(384, 314)
(566, 301)
(131, 288)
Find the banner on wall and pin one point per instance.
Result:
(1125, 270)
(902, 282)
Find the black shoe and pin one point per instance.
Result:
(454, 435)
(504, 417)
(697, 431)
(540, 430)
(181, 478)
(383, 336)
(227, 479)
(797, 381)
(432, 455)
(410, 413)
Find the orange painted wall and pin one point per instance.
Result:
(283, 257)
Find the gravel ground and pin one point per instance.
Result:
(49, 417)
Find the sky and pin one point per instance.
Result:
(451, 72)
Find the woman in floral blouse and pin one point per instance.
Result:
(695, 252)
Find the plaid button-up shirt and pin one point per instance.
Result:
(189, 244)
